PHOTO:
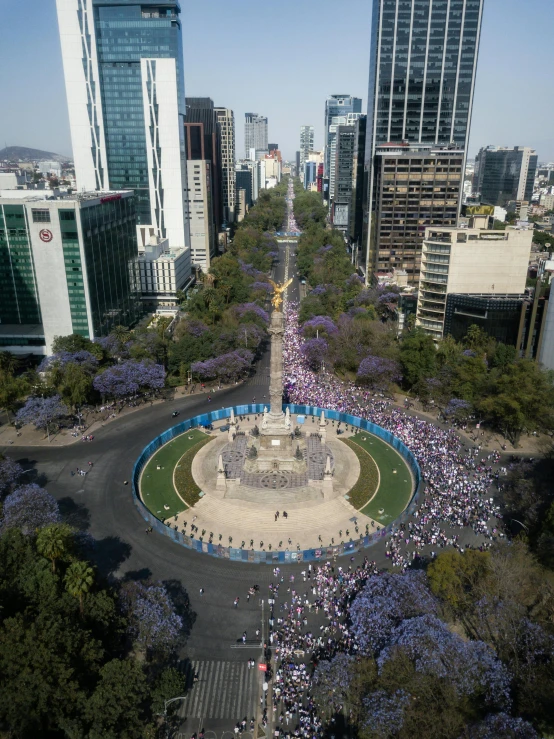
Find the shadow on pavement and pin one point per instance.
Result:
(74, 514)
(109, 554)
(137, 575)
(180, 600)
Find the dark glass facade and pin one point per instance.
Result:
(203, 141)
(127, 32)
(422, 70)
(110, 246)
(512, 319)
(74, 271)
(502, 175)
(243, 179)
(19, 302)
(357, 197)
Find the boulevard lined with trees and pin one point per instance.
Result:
(351, 330)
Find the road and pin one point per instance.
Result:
(101, 504)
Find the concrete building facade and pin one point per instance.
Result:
(469, 261)
(415, 186)
(162, 272)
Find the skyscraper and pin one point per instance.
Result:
(207, 146)
(306, 142)
(226, 120)
(421, 80)
(336, 106)
(503, 174)
(255, 132)
(123, 67)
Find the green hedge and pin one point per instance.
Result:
(184, 481)
(365, 488)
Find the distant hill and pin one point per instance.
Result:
(24, 154)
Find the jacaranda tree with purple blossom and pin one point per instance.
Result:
(251, 311)
(384, 602)
(153, 622)
(42, 412)
(314, 352)
(501, 726)
(129, 377)
(332, 680)
(378, 372)
(29, 508)
(319, 325)
(228, 366)
(10, 472)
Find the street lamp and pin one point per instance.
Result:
(166, 704)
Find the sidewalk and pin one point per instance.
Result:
(488, 440)
(29, 436)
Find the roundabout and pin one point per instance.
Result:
(279, 516)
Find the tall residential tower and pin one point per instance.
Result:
(123, 67)
(226, 120)
(306, 142)
(336, 107)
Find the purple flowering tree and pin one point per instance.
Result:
(29, 508)
(263, 286)
(332, 679)
(83, 358)
(319, 325)
(10, 472)
(42, 412)
(384, 602)
(153, 622)
(378, 372)
(314, 352)
(228, 366)
(457, 409)
(129, 377)
(501, 726)
(384, 713)
(472, 666)
(251, 310)
(196, 327)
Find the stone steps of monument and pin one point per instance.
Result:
(269, 496)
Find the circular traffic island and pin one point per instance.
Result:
(219, 491)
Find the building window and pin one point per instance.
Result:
(40, 216)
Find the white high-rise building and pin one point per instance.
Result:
(306, 143)
(226, 120)
(127, 106)
(255, 132)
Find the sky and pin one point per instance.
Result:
(281, 59)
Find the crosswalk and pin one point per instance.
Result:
(223, 690)
(260, 378)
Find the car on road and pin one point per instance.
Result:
(225, 427)
(175, 414)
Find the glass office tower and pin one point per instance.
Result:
(123, 66)
(336, 106)
(422, 71)
(423, 61)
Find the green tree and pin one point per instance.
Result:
(122, 334)
(72, 343)
(454, 576)
(54, 542)
(116, 708)
(79, 579)
(170, 683)
(12, 390)
(8, 363)
(417, 357)
(75, 385)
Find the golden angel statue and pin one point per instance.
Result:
(278, 290)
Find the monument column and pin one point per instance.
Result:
(276, 330)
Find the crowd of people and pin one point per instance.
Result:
(457, 478)
(307, 624)
(308, 619)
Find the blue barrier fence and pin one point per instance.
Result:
(273, 557)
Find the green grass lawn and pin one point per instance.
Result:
(395, 487)
(156, 485)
